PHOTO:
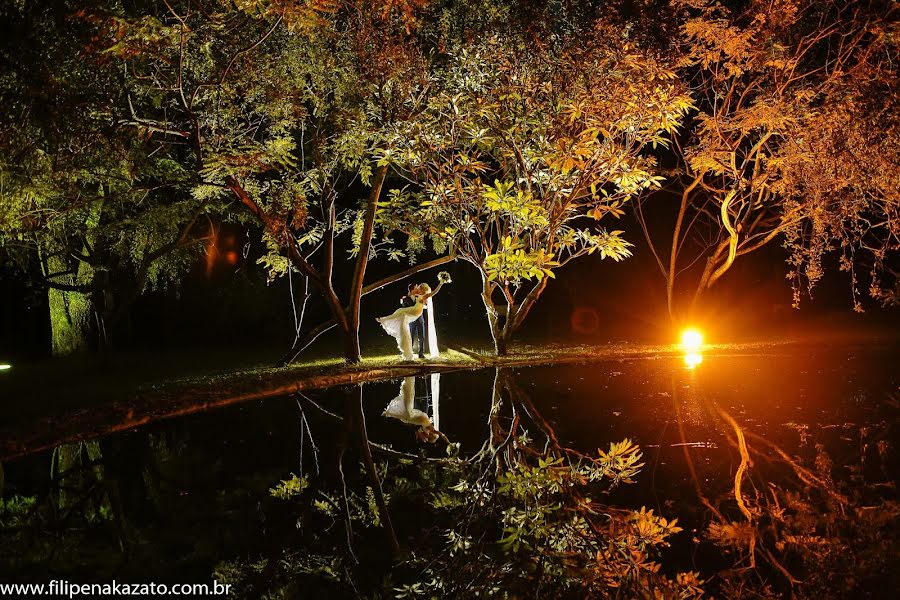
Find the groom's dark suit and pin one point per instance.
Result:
(416, 328)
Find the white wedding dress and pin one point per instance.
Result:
(402, 408)
(397, 326)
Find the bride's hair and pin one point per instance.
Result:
(425, 288)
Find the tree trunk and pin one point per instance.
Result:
(70, 318)
(515, 315)
(492, 316)
(71, 311)
(672, 271)
(351, 347)
(347, 318)
(501, 343)
(352, 352)
(356, 419)
(301, 345)
(706, 279)
(509, 328)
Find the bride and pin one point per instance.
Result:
(397, 324)
(402, 408)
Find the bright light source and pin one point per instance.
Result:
(692, 359)
(691, 340)
(5, 367)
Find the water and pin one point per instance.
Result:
(171, 500)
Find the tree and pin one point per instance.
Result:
(99, 212)
(522, 150)
(778, 150)
(281, 107)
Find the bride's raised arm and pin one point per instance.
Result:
(443, 277)
(433, 292)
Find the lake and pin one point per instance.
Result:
(178, 499)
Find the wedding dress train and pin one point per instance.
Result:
(397, 326)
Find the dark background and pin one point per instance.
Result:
(592, 301)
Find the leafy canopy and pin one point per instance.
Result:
(519, 154)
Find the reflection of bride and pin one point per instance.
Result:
(403, 409)
(397, 324)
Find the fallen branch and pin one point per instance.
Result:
(474, 354)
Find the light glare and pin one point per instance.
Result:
(691, 340)
(5, 367)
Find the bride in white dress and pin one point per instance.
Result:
(402, 408)
(397, 323)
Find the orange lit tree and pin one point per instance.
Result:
(782, 147)
(524, 150)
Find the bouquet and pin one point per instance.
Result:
(444, 277)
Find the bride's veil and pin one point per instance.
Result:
(433, 350)
(436, 400)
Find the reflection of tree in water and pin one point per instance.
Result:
(527, 516)
(75, 470)
(784, 520)
(116, 507)
(82, 495)
(522, 517)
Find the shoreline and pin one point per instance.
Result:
(177, 397)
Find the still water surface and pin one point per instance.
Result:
(169, 501)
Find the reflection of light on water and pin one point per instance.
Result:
(692, 359)
(691, 344)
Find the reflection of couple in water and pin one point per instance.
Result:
(408, 408)
(413, 322)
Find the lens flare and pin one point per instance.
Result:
(691, 340)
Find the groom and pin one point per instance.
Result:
(416, 327)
